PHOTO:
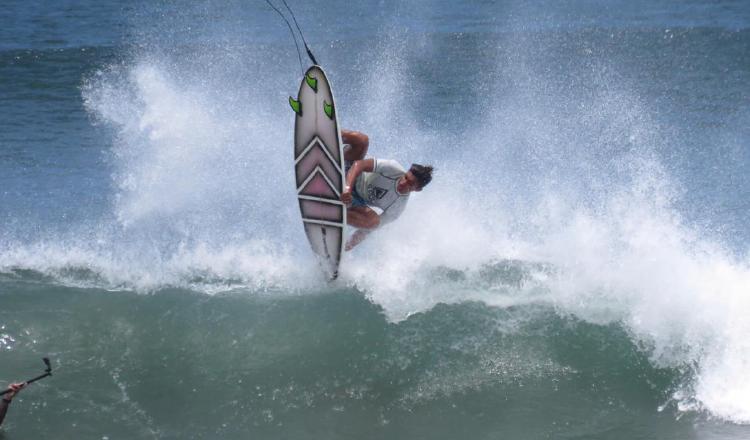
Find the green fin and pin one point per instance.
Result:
(296, 106)
(312, 82)
(328, 108)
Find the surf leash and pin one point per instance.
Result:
(294, 36)
(307, 48)
(47, 372)
(296, 45)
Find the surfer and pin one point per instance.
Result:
(379, 183)
(14, 388)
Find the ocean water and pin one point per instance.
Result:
(578, 269)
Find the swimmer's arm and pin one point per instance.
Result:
(3, 410)
(6, 398)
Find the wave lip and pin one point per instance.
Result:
(254, 265)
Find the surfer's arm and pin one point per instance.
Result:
(357, 237)
(360, 166)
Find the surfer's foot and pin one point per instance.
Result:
(356, 239)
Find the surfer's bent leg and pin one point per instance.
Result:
(362, 217)
(358, 142)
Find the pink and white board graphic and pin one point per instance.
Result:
(319, 169)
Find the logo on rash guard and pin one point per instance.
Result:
(376, 193)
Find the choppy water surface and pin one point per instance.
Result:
(577, 269)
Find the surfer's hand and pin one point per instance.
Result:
(346, 195)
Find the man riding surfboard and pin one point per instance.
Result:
(380, 183)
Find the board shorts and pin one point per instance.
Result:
(357, 200)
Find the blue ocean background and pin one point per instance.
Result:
(578, 269)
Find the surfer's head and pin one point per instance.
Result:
(415, 179)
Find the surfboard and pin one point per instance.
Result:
(319, 169)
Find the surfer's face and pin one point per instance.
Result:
(408, 183)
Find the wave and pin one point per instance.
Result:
(691, 323)
(340, 352)
(550, 194)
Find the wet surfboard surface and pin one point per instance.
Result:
(319, 169)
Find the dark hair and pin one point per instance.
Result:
(423, 173)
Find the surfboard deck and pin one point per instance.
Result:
(319, 169)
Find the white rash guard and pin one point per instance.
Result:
(378, 189)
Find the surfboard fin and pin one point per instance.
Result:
(328, 109)
(312, 82)
(296, 106)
